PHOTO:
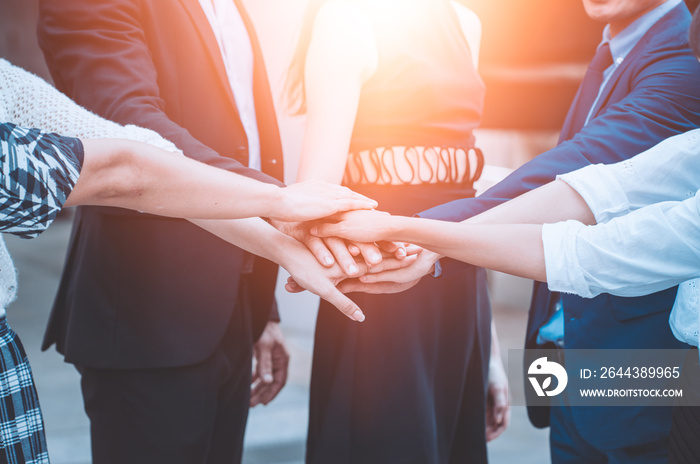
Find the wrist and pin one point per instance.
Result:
(394, 229)
(271, 242)
(283, 249)
(495, 361)
(274, 201)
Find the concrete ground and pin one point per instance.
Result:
(275, 433)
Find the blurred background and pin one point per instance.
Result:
(533, 56)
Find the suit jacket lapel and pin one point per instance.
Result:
(621, 69)
(199, 18)
(641, 46)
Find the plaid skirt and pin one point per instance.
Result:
(22, 438)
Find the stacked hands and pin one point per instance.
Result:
(352, 242)
(355, 250)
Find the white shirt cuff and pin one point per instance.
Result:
(600, 189)
(564, 273)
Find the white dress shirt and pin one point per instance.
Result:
(237, 53)
(648, 232)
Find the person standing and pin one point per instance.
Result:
(392, 96)
(159, 316)
(641, 88)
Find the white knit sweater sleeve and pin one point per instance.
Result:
(29, 101)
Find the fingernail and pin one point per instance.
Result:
(353, 269)
(364, 278)
(267, 378)
(314, 230)
(402, 252)
(376, 258)
(358, 316)
(328, 260)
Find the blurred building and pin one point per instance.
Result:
(533, 56)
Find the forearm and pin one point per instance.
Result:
(258, 237)
(553, 202)
(251, 234)
(512, 248)
(138, 176)
(648, 250)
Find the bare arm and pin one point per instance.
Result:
(553, 202)
(512, 248)
(139, 176)
(342, 55)
(471, 29)
(260, 238)
(507, 238)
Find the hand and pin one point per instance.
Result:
(305, 201)
(346, 254)
(310, 275)
(300, 232)
(388, 263)
(422, 265)
(359, 226)
(271, 363)
(354, 285)
(497, 405)
(330, 250)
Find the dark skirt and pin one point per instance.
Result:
(408, 385)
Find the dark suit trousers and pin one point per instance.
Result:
(567, 446)
(174, 415)
(684, 447)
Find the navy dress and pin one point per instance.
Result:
(408, 385)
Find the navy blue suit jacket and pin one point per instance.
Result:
(654, 94)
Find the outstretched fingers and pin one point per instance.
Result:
(344, 304)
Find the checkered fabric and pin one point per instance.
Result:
(39, 170)
(22, 439)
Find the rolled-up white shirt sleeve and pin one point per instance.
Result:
(564, 273)
(667, 171)
(648, 250)
(600, 189)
